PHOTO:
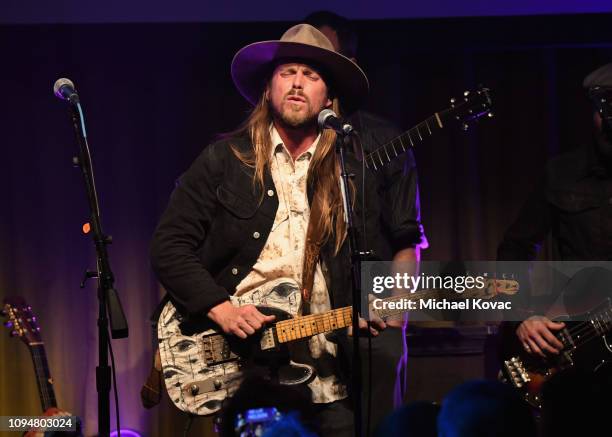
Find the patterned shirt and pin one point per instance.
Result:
(281, 259)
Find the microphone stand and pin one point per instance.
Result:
(109, 306)
(357, 256)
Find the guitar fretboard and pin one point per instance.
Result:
(582, 332)
(306, 326)
(383, 155)
(602, 322)
(43, 376)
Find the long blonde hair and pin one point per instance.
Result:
(323, 172)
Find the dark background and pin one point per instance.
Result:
(155, 94)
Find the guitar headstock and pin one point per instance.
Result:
(496, 286)
(471, 106)
(21, 321)
(492, 288)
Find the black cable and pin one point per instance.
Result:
(363, 221)
(112, 355)
(369, 422)
(188, 423)
(363, 193)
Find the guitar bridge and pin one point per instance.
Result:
(216, 350)
(516, 372)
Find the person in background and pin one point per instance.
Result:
(402, 231)
(574, 204)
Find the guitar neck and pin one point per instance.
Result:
(313, 324)
(43, 376)
(425, 294)
(389, 151)
(307, 326)
(581, 333)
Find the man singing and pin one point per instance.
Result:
(238, 218)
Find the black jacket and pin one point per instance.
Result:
(215, 227)
(397, 187)
(574, 204)
(217, 222)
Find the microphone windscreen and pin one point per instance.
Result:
(324, 115)
(59, 84)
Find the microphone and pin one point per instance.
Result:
(329, 120)
(64, 89)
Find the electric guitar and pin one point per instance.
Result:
(202, 366)
(586, 339)
(22, 323)
(465, 110)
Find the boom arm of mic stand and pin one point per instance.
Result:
(118, 322)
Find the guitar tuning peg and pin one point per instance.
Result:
(8, 324)
(465, 127)
(452, 101)
(490, 115)
(466, 93)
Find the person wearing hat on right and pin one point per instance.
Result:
(574, 202)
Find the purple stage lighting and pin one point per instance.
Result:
(126, 433)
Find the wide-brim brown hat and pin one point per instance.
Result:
(602, 77)
(252, 65)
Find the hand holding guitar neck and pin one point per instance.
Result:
(376, 323)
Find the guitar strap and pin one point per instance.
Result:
(312, 249)
(151, 391)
